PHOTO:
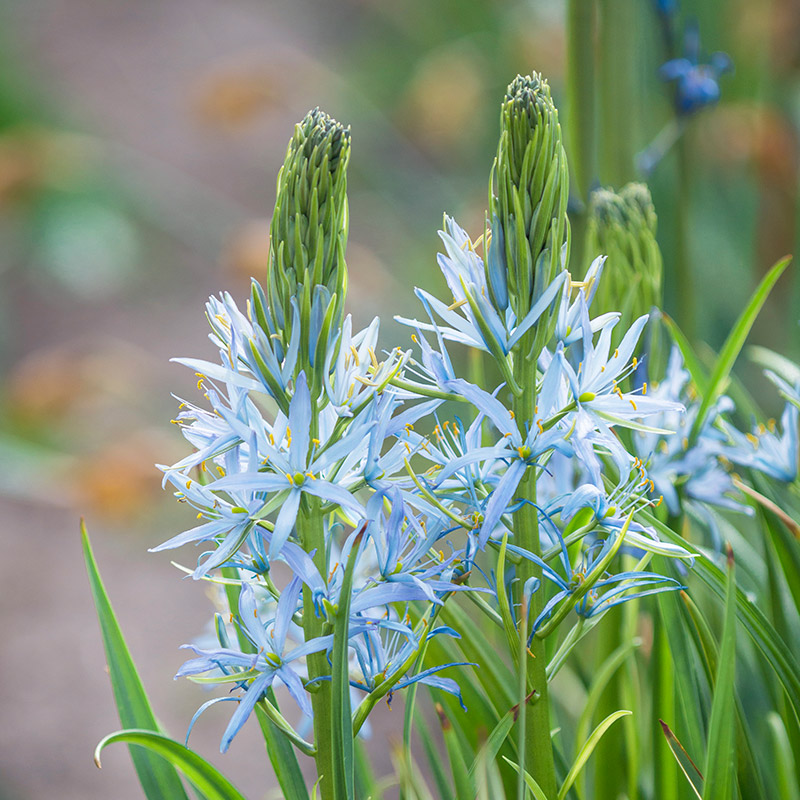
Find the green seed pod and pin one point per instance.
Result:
(529, 212)
(622, 226)
(308, 235)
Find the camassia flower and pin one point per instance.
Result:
(471, 318)
(274, 659)
(299, 467)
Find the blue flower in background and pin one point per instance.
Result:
(696, 84)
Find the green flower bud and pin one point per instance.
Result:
(622, 226)
(529, 213)
(308, 235)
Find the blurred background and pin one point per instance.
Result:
(139, 147)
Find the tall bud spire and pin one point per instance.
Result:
(529, 212)
(307, 277)
(622, 226)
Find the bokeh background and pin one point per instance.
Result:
(139, 146)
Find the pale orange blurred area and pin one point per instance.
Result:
(84, 411)
(439, 107)
(118, 482)
(231, 96)
(34, 156)
(736, 133)
(247, 252)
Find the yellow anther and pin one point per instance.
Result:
(644, 388)
(355, 355)
(271, 439)
(414, 338)
(616, 353)
(456, 304)
(372, 357)
(511, 413)
(189, 484)
(539, 426)
(771, 425)
(660, 500)
(635, 362)
(685, 443)
(315, 441)
(350, 391)
(199, 515)
(630, 400)
(255, 613)
(752, 439)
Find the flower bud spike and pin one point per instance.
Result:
(529, 211)
(308, 234)
(622, 226)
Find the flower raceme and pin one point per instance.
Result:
(314, 453)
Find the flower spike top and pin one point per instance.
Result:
(308, 235)
(622, 226)
(529, 213)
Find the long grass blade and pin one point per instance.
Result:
(734, 343)
(157, 778)
(688, 767)
(720, 748)
(587, 749)
(342, 726)
(210, 782)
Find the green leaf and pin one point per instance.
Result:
(443, 789)
(158, 780)
(210, 782)
(342, 725)
(784, 762)
(779, 364)
(734, 343)
(686, 764)
(690, 360)
(491, 747)
(462, 780)
(720, 748)
(764, 636)
(601, 680)
(586, 750)
(536, 790)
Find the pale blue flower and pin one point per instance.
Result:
(271, 661)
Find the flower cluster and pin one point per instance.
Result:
(317, 458)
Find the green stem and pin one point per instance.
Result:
(617, 71)
(539, 759)
(581, 123)
(684, 280)
(312, 536)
